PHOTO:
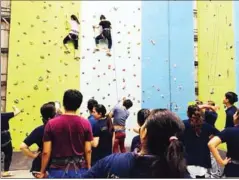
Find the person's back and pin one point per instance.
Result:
(120, 115)
(70, 131)
(229, 116)
(197, 151)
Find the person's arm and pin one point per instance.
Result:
(26, 151)
(113, 140)
(213, 144)
(88, 153)
(136, 130)
(95, 142)
(206, 106)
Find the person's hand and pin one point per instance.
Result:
(36, 154)
(225, 161)
(217, 107)
(16, 110)
(40, 175)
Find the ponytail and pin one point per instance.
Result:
(172, 164)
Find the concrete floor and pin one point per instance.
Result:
(20, 174)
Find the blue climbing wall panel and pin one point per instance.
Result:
(181, 54)
(155, 76)
(236, 31)
(167, 55)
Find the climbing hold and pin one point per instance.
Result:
(24, 64)
(119, 42)
(24, 33)
(40, 79)
(138, 86)
(66, 64)
(138, 43)
(44, 42)
(94, 68)
(19, 23)
(43, 32)
(18, 40)
(231, 47)
(118, 32)
(42, 57)
(158, 89)
(16, 83)
(162, 96)
(38, 17)
(21, 119)
(152, 41)
(48, 71)
(31, 43)
(123, 70)
(26, 134)
(35, 87)
(98, 89)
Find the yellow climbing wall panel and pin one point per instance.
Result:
(38, 69)
(216, 53)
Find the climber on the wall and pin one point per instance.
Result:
(106, 33)
(73, 35)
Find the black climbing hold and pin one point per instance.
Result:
(33, 106)
(16, 101)
(98, 89)
(21, 119)
(24, 64)
(48, 71)
(15, 84)
(24, 33)
(231, 47)
(42, 57)
(18, 40)
(38, 17)
(83, 73)
(17, 67)
(40, 79)
(28, 96)
(27, 134)
(19, 23)
(49, 54)
(44, 42)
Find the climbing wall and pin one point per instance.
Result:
(167, 55)
(236, 42)
(109, 79)
(216, 53)
(38, 69)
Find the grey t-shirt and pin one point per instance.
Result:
(120, 115)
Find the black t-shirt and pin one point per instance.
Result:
(231, 137)
(5, 117)
(36, 137)
(197, 151)
(104, 148)
(123, 165)
(135, 143)
(105, 24)
(210, 117)
(229, 116)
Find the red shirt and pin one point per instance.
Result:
(68, 134)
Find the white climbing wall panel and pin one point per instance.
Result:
(109, 79)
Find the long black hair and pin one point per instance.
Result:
(48, 111)
(100, 109)
(195, 116)
(163, 128)
(102, 17)
(75, 18)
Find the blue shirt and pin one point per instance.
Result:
(197, 151)
(229, 116)
(104, 147)
(122, 165)
(211, 117)
(135, 143)
(92, 121)
(120, 115)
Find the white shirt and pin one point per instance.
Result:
(74, 27)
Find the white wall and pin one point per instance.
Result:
(112, 85)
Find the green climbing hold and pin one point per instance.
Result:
(35, 87)
(42, 57)
(40, 79)
(16, 101)
(16, 83)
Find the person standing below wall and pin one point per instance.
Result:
(229, 100)
(73, 35)
(6, 141)
(90, 105)
(48, 111)
(210, 112)
(106, 33)
(103, 132)
(195, 138)
(230, 136)
(161, 155)
(141, 118)
(120, 115)
(67, 140)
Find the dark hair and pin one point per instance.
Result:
(212, 103)
(75, 18)
(99, 108)
(52, 102)
(48, 111)
(232, 97)
(142, 116)
(102, 17)
(72, 99)
(91, 103)
(198, 102)
(195, 118)
(161, 125)
(127, 103)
